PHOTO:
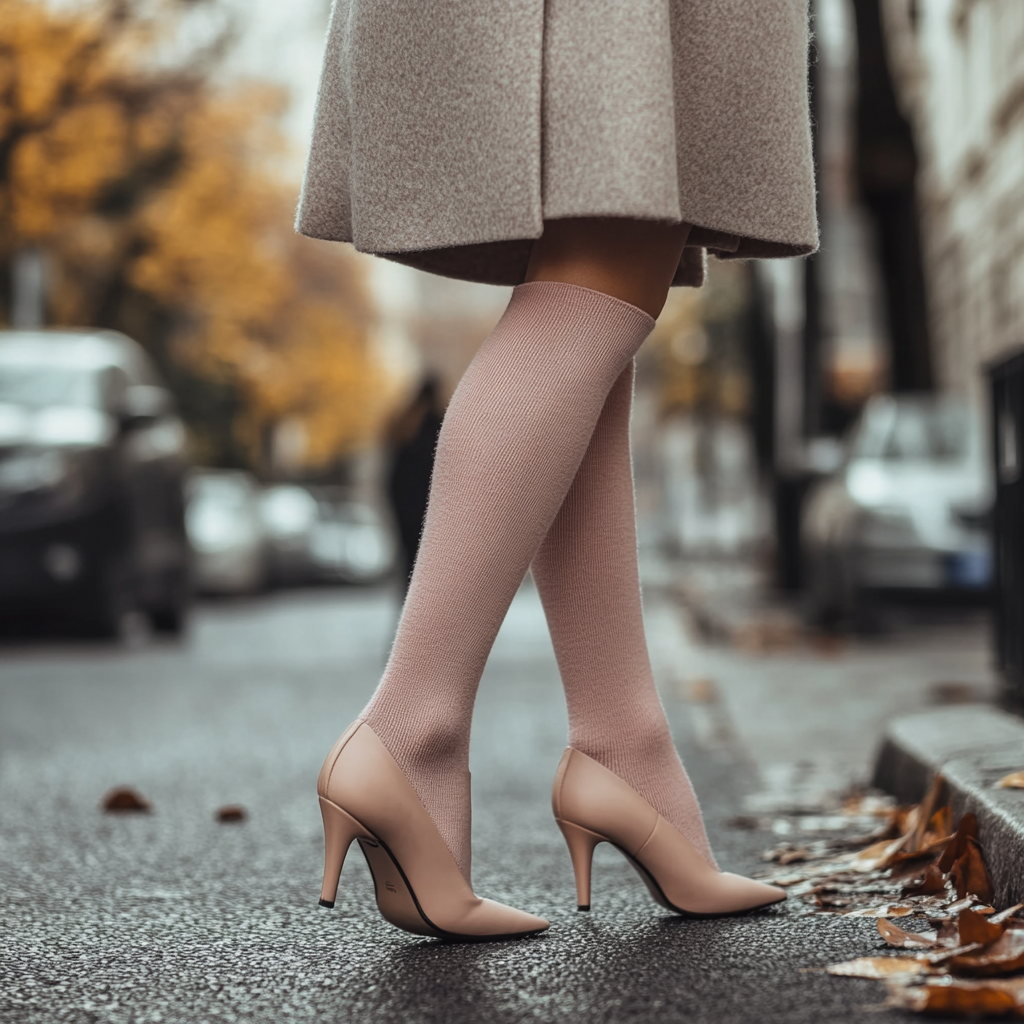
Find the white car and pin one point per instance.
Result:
(907, 512)
(290, 514)
(225, 529)
(350, 542)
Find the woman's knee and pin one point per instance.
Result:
(632, 260)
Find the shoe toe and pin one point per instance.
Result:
(748, 894)
(497, 919)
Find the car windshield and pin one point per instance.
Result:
(916, 431)
(44, 386)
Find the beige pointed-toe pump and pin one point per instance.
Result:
(593, 805)
(365, 796)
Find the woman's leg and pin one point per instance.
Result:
(586, 569)
(587, 575)
(514, 436)
(632, 260)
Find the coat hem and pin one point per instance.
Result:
(503, 261)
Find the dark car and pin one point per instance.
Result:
(92, 472)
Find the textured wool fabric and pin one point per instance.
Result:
(587, 574)
(513, 438)
(447, 132)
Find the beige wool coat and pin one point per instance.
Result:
(447, 131)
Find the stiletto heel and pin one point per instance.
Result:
(581, 845)
(339, 831)
(593, 805)
(364, 795)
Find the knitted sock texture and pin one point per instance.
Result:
(513, 438)
(587, 574)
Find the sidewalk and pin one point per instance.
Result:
(809, 713)
(170, 916)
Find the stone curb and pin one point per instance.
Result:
(973, 746)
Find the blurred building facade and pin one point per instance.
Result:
(959, 71)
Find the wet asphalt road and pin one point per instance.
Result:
(170, 916)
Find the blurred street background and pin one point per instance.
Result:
(215, 443)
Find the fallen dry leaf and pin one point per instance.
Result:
(859, 804)
(968, 873)
(124, 798)
(939, 956)
(957, 846)
(796, 856)
(932, 818)
(1005, 915)
(896, 936)
(953, 909)
(975, 928)
(878, 968)
(957, 996)
(886, 910)
(233, 812)
(949, 934)
(1015, 780)
(931, 884)
(880, 876)
(1004, 956)
(904, 820)
(878, 855)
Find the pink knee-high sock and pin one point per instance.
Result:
(586, 572)
(513, 438)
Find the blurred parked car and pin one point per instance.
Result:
(907, 513)
(225, 529)
(91, 482)
(350, 542)
(289, 514)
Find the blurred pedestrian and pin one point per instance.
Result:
(413, 440)
(588, 152)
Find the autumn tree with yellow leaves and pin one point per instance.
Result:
(157, 202)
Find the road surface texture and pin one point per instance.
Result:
(171, 916)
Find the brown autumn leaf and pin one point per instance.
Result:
(1004, 956)
(880, 876)
(969, 903)
(896, 936)
(878, 968)
(932, 883)
(932, 907)
(886, 910)
(975, 928)
(1015, 780)
(904, 819)
(949, 934)
(945, 994)
(965, 830)
(940, 827)
(968, 873)
(930, 808)
(940, 956)
(794, 856)
(878, 855)
(230, 813)
(124, 798)
(1005, 915)
(832, 902)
